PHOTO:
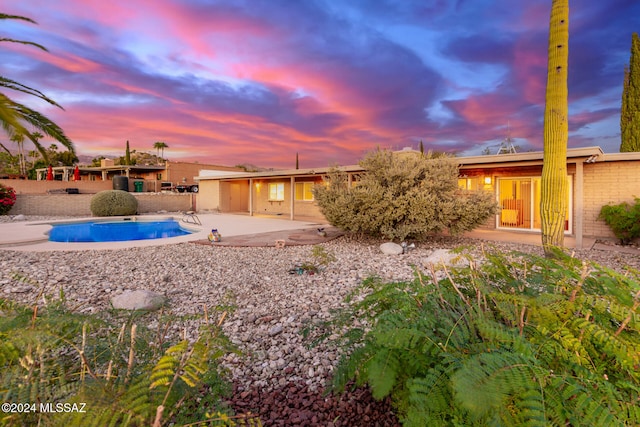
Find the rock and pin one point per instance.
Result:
(277, 329)
(19, 217)
(446, 257)
(391, 248)
(138, 300)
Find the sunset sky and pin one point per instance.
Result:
(255, 81)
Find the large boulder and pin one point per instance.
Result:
(391, 248)
(138, 300)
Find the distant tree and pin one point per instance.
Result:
(16, 118)
(8, 163)
(630, 111)
(19, 140)
(96, 162)
(297, 162)
(159, 145)
(34, 155)
(421, 147)
(127, 155)
(553, 185)
(247, 167)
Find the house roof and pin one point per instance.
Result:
(531, 158)
(276, 173)
(527, 158)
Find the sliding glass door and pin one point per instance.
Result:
(519, 200)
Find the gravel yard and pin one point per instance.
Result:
(271, 305)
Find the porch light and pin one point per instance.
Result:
(487, 180)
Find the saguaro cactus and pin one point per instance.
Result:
(553, 200)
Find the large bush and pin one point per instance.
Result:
(517, 341)
(403, 196)
(7, 199)
(113, 202)
(623, 219)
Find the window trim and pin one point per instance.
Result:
(277, 189)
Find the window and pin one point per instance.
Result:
(303, 191)
(276, 191)
(469, 183)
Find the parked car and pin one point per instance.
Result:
(187, 188)
(166, 186)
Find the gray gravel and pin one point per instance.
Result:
(271, 304)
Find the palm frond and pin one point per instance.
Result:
(13, 85)
(14, 114)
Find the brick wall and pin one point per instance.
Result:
(608, 183)
(79, 204)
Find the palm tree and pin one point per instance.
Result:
(15, 117)
(19, 140)
(553, 185)
(33, 155)
(159, 145)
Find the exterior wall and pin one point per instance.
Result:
(24, 186)
(308, 209)
(261, 202)
(301, 208)
(184, 172)
(607, 183)
(79, 204)
(209, 196)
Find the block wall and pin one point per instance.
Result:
(79, 204)
(607, 183)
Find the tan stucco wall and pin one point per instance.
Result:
(30, 186)
(262, 204)
(79, 204)
(301, 208)
(208, 198)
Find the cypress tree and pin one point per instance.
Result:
(630, 111)
(127, 155)
(553, 183)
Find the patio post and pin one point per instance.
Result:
(293, 197)
(579, 202)
(250, 196)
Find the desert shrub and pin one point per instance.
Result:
(109, 374)
(519, 340)
(113, 202)
(624, 220)
(7, 199)
(401, 197)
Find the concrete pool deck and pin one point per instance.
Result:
(242, 230)
(32, 235)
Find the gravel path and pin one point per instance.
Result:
(272, 305)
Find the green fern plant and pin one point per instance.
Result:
(49, 354)
(519, 340)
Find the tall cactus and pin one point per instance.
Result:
(554, 187)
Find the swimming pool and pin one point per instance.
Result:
(116, 231)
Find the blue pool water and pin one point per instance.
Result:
(115, 231)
